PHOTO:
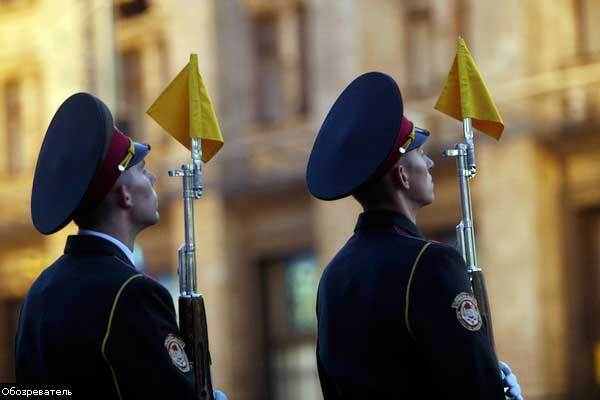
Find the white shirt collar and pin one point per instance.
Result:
(111, 239)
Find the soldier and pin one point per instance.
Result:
(396, 314)
(91, 321)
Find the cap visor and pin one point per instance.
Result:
(141, 150)
(421, 135)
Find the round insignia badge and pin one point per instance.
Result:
(175, 347)
(467, 311)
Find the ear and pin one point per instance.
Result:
(400, 176)
(123, 197)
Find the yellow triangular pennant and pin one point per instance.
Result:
(465, 95)
(184, 110)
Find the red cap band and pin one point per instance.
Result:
(406, 128)
(107, 172)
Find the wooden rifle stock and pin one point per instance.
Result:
(192, 321)
(480, 292)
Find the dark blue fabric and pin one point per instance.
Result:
(357, 136)
(64, 320)
(74, 146)
(364, 346)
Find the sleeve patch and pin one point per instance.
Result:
(467, 311)
(174, 346)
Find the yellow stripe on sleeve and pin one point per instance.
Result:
(412, 273)
(107, 334)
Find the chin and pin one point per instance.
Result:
(431, 196)
(428, 200)
(151, 220)
(426, 203)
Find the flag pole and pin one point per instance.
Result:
(197, 166)
(457, 100)
(466, 170)
(468, 131)
(194, 175)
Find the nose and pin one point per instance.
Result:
(430, 163)
(152, 178)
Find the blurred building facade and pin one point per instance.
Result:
(273, 69)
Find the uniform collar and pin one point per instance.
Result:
(387, 218)
(94, 244)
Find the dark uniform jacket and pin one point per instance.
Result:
(388, 326)
(92, 322)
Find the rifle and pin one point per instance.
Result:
(192, 314)
(466, 169)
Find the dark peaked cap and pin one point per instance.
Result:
(362, 137)
(81, 157)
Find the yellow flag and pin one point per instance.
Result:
(185, 111)
(465, 95)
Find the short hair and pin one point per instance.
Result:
(371, 191)
(94, 217)
(91, 219)
(375, 190)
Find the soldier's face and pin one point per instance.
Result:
(144, 203)
(420, 183)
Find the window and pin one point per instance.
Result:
(281, 64)
(14, 4)
(431, 32)
(9, 316)
(269, 95)
(130, 8)
(132, 93)
(588, 14)
(89, 51)
(462, 14)
(289, 292)
(291, 284)
(304, 103)
(419, 57)
(13, 113)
